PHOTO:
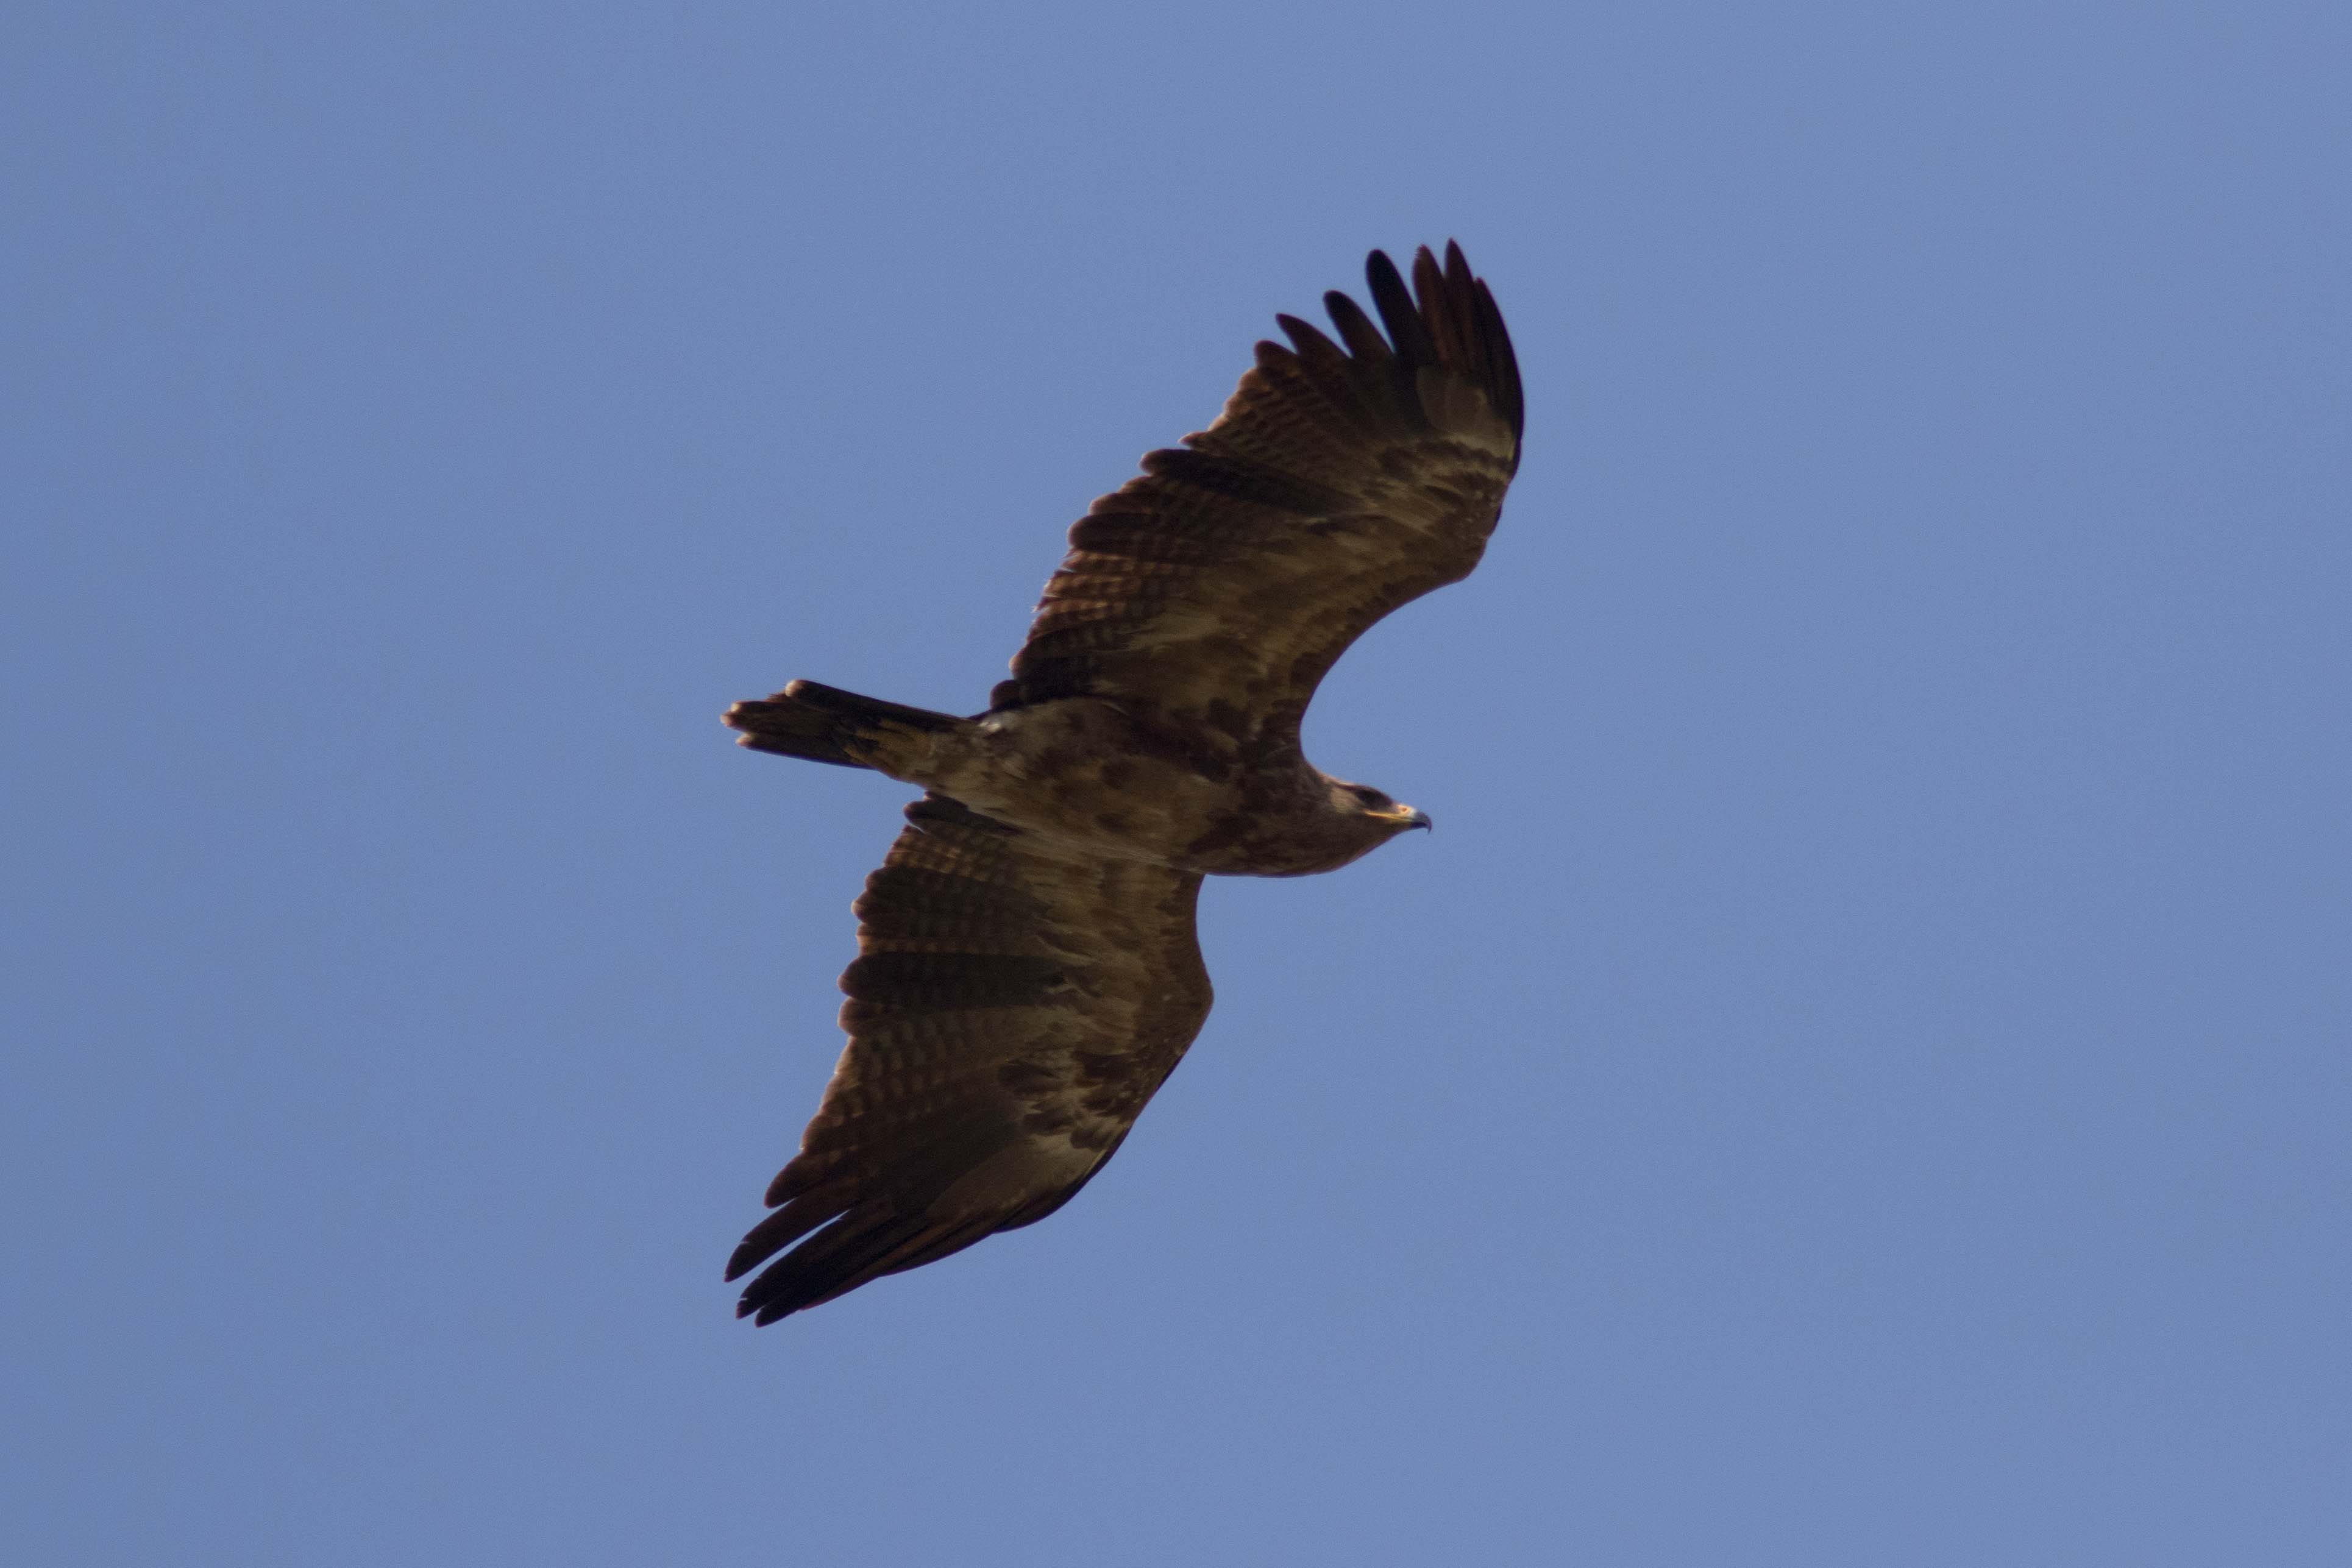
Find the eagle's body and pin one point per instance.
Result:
(1028, 972)
(1090, 777)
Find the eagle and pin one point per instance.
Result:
(1028, 969)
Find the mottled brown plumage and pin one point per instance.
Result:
(1028, 973)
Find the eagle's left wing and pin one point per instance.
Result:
(1010, 1011)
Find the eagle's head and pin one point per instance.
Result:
(1361, 819)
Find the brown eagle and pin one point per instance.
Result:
(1027, 971)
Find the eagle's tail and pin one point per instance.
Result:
(824, 724)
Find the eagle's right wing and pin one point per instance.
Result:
(1010, 1011)
(1340, 482)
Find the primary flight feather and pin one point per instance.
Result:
(1028, 972)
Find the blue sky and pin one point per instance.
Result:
(1858, 1075)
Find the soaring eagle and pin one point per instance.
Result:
(1027, 971)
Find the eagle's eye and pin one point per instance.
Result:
(1369, 798)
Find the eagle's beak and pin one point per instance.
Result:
(1413, 819)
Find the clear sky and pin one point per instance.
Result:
(1858, 1076)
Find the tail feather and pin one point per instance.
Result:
(824, 724)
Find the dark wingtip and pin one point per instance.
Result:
(1446, 317)
(1398, 312)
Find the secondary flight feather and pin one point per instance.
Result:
(1028, 972)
